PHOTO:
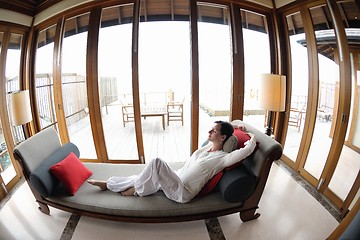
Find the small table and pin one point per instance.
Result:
(128, 113)
(155, 114)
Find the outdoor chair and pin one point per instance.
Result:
(175, 111)
(295, 117)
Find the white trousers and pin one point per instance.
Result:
(156, 176)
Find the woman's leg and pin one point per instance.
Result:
(158, 175)
(100, 184)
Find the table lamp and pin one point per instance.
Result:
(20, 108)
(272, 92)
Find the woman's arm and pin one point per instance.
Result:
(242, 153)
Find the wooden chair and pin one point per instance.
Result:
(175, 111)
(127, 110)
(295, 117)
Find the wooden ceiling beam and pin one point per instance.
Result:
(172, 10)
(343, 15)
(325, 17)
(119, 14)
(145, 10)
(76, 22)
(290, 19)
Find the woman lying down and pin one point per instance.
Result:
(184, 184)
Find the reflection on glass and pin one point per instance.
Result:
(73, 80)
(44, 77)
(257, 61)
(115, 81)
(299, 89)
(215, 66)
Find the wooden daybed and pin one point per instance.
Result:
(239, 190)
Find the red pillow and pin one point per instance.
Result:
(71, 172)
(241, 136)
(209, 186)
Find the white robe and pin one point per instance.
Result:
(184, 184)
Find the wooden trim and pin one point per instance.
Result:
(355, 102)
(31, 54)
(351, 195)
(238, 88)
(28, 72)
(58, 100)
(286, 67)
(92, 84)
(135, 81)
(336, 234)
(194, 76)
(313, 88)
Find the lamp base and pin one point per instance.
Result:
(269, 129)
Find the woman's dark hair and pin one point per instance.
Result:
(226, 129)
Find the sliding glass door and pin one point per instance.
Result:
(215, 66)
(164, 86)
(318, 144)
(115, 82)
(11, 134)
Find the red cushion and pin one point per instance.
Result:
(71, 172)
(209, 186)
(241, 136)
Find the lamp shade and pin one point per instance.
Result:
(272, 90)
(20, 107)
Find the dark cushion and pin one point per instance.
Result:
(42, 179)
(237, 184)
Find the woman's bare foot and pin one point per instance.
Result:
(129, 192)
(100, 184)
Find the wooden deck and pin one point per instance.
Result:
(171, 144)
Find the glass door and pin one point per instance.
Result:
(10, 135)
(164, 85)
(44, 81)
(215, 66)
(257, 61)
(298, 82)
(74, 85)
(115, 82)
(13, 60)
(343, 187)
(324, 152)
